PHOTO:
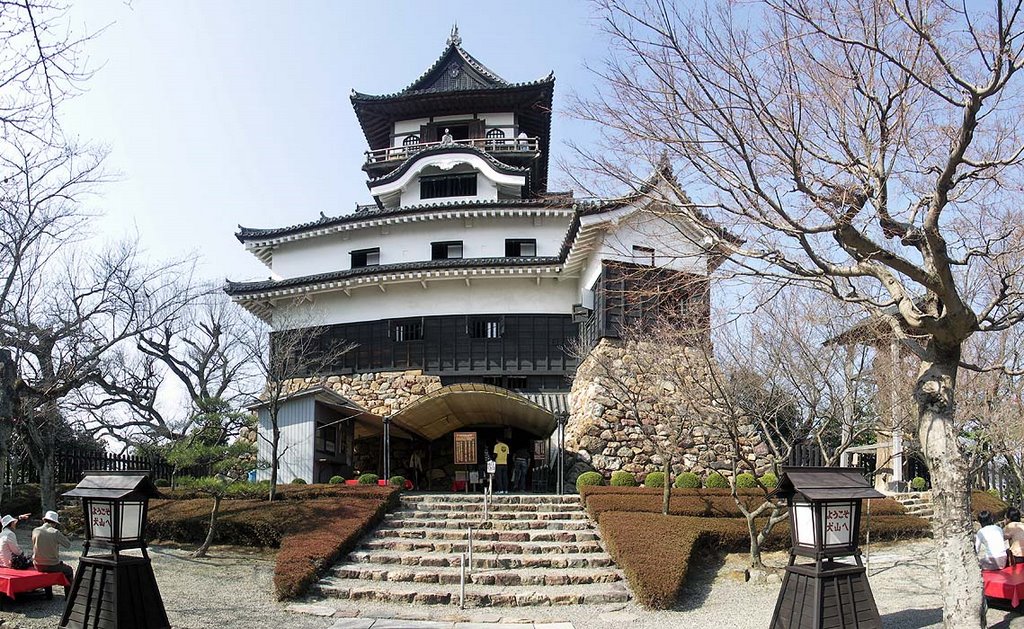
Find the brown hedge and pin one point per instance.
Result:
(654, 551)
(984, 501)
(312, 528)
(293, 492)
(703, 503)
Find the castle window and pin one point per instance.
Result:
(449, 250)
(485, 327)
(407, 330)
(365, 257)
(520, 247)
(643, 255)
(463, 185)
(495, 138)
(411, 139)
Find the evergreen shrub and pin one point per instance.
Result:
(336, 480)
(716, 481)
(688, 480)
(655, 479)
(622, 478)
(588, 479)
(368, 479)
(746, 480)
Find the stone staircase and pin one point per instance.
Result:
(917, 503)
(532, 550)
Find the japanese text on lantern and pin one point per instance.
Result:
(838, 524)
(100, 515)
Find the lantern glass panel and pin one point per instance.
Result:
(131, 520)
(803, 517)
(101, 518)
(838, 523)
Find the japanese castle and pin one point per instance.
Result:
(465, 283)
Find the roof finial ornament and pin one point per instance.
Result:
(454, 39)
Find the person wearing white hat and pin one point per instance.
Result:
(9, 547)
(47, 541)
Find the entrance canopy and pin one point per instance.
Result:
(471, 404)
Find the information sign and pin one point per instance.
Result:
(465, 448)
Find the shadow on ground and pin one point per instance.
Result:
(704, 567)
(913, 618)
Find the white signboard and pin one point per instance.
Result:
(838, 524)
(492, 467)
(101, 515)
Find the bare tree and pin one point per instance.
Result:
(867, 149)
(298, 348)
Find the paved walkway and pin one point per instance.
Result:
(438, 618)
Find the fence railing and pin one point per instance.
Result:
(491, 145)
(71, 465)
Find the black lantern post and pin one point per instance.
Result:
(113, 590)
(824, 516)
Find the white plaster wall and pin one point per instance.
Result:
(410, 242)
(295, 447)
(506, 295)
(672, 249)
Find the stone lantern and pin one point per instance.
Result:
(818, 590)
(113, 590)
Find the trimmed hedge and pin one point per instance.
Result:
(918, 484)
(588, 479)
(336, 480)
(397, 481)
(312, 530)
(687, 480)
(655, 551)
(746, 480)
(770, 480)
(984, 501)
(621, 478)
(655, 479)
(716, 481)
(368, 479)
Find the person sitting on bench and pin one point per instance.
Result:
(47, 541)
(9, 548)
(990, 544)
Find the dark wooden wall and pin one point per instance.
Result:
(628, 296)
(532, 345)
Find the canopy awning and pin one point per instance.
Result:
(471, 404)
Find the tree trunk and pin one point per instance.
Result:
(666, 495)
(47, 486)
(201, 551)
(275, 439)
(755, 544)
(959, 576)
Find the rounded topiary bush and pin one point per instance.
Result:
(688, 480)
(918, 484)
(716, 481)
(336, 480)
(589, 479)
(298, 481)
(397, 481)
(162, 482)
(746, 480)
(368, 479)
(770, 480)
(622, 478)
(655, 479)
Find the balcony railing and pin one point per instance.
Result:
(491, 145)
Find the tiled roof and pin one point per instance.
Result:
(242, 288)
(441, 77)
(370, 212)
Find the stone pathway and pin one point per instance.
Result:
(531, 550)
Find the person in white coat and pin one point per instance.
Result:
(9, 547)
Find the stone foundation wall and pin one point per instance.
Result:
(383, 393)
(619, 417)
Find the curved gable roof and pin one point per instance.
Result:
(448, 149)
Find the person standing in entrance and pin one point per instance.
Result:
(501, 469)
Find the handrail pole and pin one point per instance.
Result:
(462, 583)
(470, 536)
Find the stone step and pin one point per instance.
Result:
(404, 532)
(470, 507)
(403, 520)
(496, 515)
(451, 576)
(511, 548)
(495, 499)
(476, 595)
(483, 560)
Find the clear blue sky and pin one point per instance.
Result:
(225, 113)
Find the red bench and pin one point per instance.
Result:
(14, 582)
(1007, 583)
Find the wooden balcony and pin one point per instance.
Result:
(498, 146)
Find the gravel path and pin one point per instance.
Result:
(232, 590)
